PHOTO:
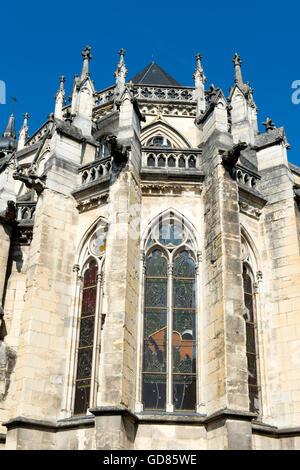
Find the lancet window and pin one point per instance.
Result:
(170, 332)
(90, 321)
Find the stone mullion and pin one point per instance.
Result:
(169, 403)
(69, 394)
(198, 312)
(260, 350)
(96, 342)
(140, 335)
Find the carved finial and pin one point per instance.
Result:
(120, 73)
(87, 56)
(199, 76)
(237, 69)
(269, 125)
(23, 134)
(60, 98)
(212, 93)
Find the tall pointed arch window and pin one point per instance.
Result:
(169, 352)
(251, 329)
(90, 322)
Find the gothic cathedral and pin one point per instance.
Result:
(149, 270)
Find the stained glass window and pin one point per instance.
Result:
(169, 355)
(86, 339)
(250, 340)
(184, 333)
(155, 332)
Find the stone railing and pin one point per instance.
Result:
(164, 93)
(95, 171)
(25, 211)
(39, 134)
(246, 177)
(106, 96)
(171, 158)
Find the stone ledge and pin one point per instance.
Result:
(273, 431)
(150, 418)
(49, 426)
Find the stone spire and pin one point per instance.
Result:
(10, 127)
(120, 73)
(8, 139)
(200, 79)
(199, 76)
(87, 56)
(23, 134)
(238, 79)
(60, 99)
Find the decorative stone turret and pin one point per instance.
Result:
(243, 108)
(23, 134)
(60, 99)
(120, 75)
(200, 80)
(237, 69)
(83, 96)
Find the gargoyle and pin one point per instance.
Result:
(9, 215)
(32, 180)
(231, 156)
(118, 151)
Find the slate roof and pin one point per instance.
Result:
(8, 139)
(153, 74)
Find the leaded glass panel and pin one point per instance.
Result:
(170, 232)
(250, 341)
(156, 264)
(184, 265)
(154, 391)
(184, 392)
(86, 339)
(155, 332)
(184, 333)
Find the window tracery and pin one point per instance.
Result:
(90, 320)
(169, 353)
(249, 314)
(159, 141)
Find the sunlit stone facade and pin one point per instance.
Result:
(150, 271)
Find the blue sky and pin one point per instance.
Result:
(41, 41)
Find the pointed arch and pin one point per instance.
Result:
(81, 252)
(170, 346)
(162, 128)
(254, 256)
(88, 318)
(178, 216)
(249, 274)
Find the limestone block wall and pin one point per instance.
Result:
(15, 295)
(282, 287)
(226, 373)
(118, 351)
(40, 367)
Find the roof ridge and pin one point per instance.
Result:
(159, 76)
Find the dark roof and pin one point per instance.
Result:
(153, 74)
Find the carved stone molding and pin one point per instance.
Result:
(92, 202)
(250, 210)
(152, 189)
